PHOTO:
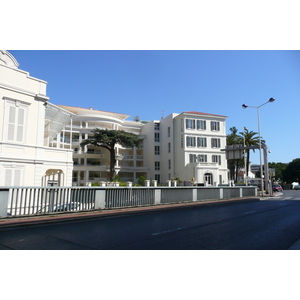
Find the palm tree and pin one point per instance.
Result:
(108, 140)
(251, 139)
(233, 164)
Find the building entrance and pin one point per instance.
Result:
(208, 177)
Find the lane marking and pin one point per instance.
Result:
(249, 212)
(166, 231)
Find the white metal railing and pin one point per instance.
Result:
(24, 201)
(42, 200)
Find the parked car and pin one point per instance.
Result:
(297, 187)
(73, 206)
(277, 188)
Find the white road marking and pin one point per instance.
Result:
(166, 231)
(249, 212)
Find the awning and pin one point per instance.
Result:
(56, 119)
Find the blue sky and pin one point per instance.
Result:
(152, 84)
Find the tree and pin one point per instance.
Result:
(108, 139)
(292, 171)
(279, 169)
(251, 139)
(233, 164)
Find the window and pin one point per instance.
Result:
(157, 166)
(169, 147)
(190, 124)
(156, 126)
(198, 158)
(181, 141)
(157, 177)
(193, 158)
(156, 137)
(190, 141)
(169, 164)
(215, 126)
(215, 143)
(216, 159)
(156, 150)
(201, 125)
(202, 158)
(201, 142)
(16, 121)
(169, 131)
(13, 176)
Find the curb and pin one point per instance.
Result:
(114, 213)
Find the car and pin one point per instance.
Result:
(277, 188)
(297, 187)
(73, 206)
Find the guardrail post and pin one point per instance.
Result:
(221, 193)
(100, 199)
(241, 192)
(157, 196)
(195, 195)
(3, 202)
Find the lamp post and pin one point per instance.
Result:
(245, 160)
(259, 136)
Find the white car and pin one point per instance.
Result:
(73, 206)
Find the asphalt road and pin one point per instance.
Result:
(272, 224)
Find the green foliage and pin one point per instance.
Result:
(108, 140)
(95, 184)
(141, 180)
(292, 171)
(250, 138)
(279, 169)
(118, 178)
(177, 179)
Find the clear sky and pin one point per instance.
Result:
(152, 84)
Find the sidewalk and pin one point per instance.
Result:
(118, 212)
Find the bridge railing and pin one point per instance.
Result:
(28, 201)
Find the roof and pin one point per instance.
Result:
(80, 110)
(201, 113)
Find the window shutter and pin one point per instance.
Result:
(11, 123)
(8, 177)
(17, 178)
(20, 127)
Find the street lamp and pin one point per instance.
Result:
(245, 160)
(259, 136)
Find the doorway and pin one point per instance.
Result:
(208, 177)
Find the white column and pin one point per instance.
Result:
(100, 199)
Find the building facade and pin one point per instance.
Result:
(91, 164)
(28, 122)
(185, 146)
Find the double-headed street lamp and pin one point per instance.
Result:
(259, 136)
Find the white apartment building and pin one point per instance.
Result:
(187, 146)
(91, 164)
(28, 122)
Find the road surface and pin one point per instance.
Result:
(266, 225)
